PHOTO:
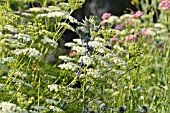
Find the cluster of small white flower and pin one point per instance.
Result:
(12, 43)
(65, 58)
(20, 74)
(56, 14)
(65, 25)
(8, 59)
(6, 107)
(10, 28)
(51, 101)
(52, 43)
(63, 4)
(35, 9)
(8, 36)
(69, 66)
(71, 19)
(30, 52)
(78, 41)
(94, 73)
(24, 37)
(70, 44)
(55, 109)
(86, 60)
(55, 87)
(41, 15)
(80, 50)
(27, 14)
(38, 108)
(95, 44)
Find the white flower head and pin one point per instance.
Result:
(49, 41)
(55, 109)
(95, 44)
(8, 59)
(65, 58)
(68, 66)
(65, 25)
(24, 37)
(70, 44)
(10, 28)
(86, 60)
(30, 52)
(35, 9)
(80, 50)
(56, 14)
(7, 107)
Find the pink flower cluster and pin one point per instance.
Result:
(165, 5)
(130, 38)
(138, 14)
(106, 16)
(73, 53)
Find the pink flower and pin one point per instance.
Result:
(106, 16)
(130, 38)
(138, 14)
(73, 53)
(102, 23)
(120, 26)
(114, 39)
(165, 5)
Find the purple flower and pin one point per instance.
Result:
(165, 5)
(130, 38)
(119, 27)
(106, 16)
(138, 14)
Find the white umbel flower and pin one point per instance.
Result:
(24, 37)
(78, 41)
(55, 109)
(35, 9)
(51, 101)
(49, 41)
(10, 28)
(71, 19)
(94, 73)
(65, 58)
(86, 60)
(56, 14)
(55, 87)
(8, 59)
(68, 66)
(30, 52)
(70, 44)
(80, 50)
(20, 74)
(41, 15)
(65, 25)
(95, 44)
(7, 107)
